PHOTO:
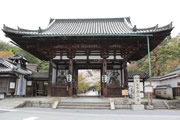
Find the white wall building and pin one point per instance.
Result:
(172, 79)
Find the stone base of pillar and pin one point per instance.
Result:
(149, 107)
(137, 107)
(2, 96)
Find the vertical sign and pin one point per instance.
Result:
(137, 90)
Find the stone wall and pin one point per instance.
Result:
(38, 104)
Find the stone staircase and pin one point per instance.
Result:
(83, 105)
(160, 105)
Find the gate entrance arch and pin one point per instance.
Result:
(89, 82)
(116, 76)
(72, 44)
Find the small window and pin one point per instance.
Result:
(178, 83)
(29, 83)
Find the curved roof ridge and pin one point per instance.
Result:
(86, 19)
(149, 28)
(168, 26)
(26, 30)
(6, 28)
(112, 26)
(7, 64)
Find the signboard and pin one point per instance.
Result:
(29, 83)
(137, 89)
(69, 78)
(125, 92)
(104, 78)
(12, 85)
(148, 89)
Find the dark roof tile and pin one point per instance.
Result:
(106, 26)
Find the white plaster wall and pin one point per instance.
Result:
(173, 82)
(154, 83)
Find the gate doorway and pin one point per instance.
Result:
(89, 82)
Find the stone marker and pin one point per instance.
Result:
(112, 105)
(1, 96)
(55, 104)
(137, 105)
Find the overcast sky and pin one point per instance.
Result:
(30, 14)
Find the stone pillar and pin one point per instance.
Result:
(137, 97)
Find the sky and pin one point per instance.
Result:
(30, 14)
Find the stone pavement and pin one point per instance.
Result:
(10, 103)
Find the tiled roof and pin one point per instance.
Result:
(18, 57)
(39, 76)
(9, 67)
(173, 74)
(143, 75)
(70, 27)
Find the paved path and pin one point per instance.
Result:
(49, 114)
(10, 103)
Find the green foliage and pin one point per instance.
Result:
(8, 50)
(44, 66)
(164, 58)
(4, 46)
(82, 85)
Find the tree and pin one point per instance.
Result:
(7, 50)
(82, 85)
(6, 54)
(164, 58)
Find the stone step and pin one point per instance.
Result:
(82, 104)
(87, 102)
(82, 107)
(160, 107)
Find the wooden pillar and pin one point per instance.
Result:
(125, 76)
(104, 66)
(70, 66)
(143, 87)
(104, 73)
(50, 77)
(70, 72)
(121, 75)
(75, 81)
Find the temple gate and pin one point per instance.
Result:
(72, 44)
